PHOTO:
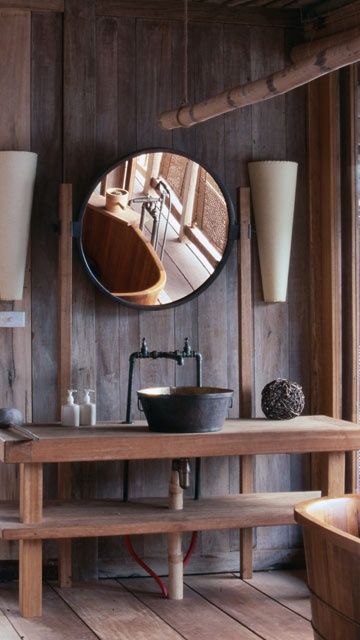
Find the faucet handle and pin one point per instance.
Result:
(187, 347)
(144, 348)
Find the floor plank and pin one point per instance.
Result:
(7, 631)
(193, 617)
(113, 613)
(58, 621)
(269, 619)
(287, 587)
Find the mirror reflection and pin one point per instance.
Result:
(155, 228)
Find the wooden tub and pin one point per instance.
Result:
(331, 528)
(121, 258)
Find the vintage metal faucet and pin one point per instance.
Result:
(177, 355)
(181, 465)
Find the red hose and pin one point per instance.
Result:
(160, 583)
(134, 555)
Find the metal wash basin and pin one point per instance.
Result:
(185, 409)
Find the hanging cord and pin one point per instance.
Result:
(186, 52)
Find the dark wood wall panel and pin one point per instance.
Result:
(118, 74)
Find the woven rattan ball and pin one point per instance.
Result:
(282, 399)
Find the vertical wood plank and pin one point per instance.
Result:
(271, 321)
(79, 169)
(15, 344)
(246, 353)
(325, 246)
(333, 474)
(65, 358)
(350, 261)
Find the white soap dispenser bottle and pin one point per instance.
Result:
(70, 412)
(88, 410)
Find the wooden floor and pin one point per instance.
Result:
(272, 606)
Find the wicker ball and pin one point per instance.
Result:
(282, 399)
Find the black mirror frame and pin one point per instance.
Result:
(233, 232)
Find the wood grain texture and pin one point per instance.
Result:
(194, 617)
(255, 611)
(171, 11)
(99, 608)
(109, 441)
(15, 344)
(79, 519)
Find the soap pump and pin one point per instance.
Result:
(88, 410)
(70, 412)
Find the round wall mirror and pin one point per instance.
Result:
(156, 229)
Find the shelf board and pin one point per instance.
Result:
(97, 518)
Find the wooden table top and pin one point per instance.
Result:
(116, 441)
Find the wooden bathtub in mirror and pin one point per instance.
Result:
(331, 528)
(121, 257)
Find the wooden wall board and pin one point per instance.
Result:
(99, 125)
(15, 132)
(164, 10)
(271, 321)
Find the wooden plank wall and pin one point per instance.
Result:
(118, 74)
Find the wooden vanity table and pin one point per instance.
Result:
(31, 521)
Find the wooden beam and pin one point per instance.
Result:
(274, 85)
(325, 243)
(198, 12)
(33, 5)
(333, 21)
(350, 261)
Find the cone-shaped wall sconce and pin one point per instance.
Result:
(273, 185)
(17, 177)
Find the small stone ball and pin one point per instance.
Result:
(11, 416)
(282, 399)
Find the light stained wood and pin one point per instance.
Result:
(31, 492)
(111, 517)
(57, 622)
(194, 618)
(175, 555)
(307, 49)
(7, 631)
(333, 474)
(30, 551)
(332, 545)
(278, 83)
(111, 612)
(287, 587)
(251, 607)
(246, 535)
(238, 437)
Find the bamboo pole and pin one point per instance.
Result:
(312, 48)
(175, 556)
(321, 63)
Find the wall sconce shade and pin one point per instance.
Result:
(17, 178)
(273, 186)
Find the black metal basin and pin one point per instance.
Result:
(185, 409)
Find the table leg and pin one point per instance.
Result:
(30, 551)
(246, 535)
(333, 473)
(65, 546)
